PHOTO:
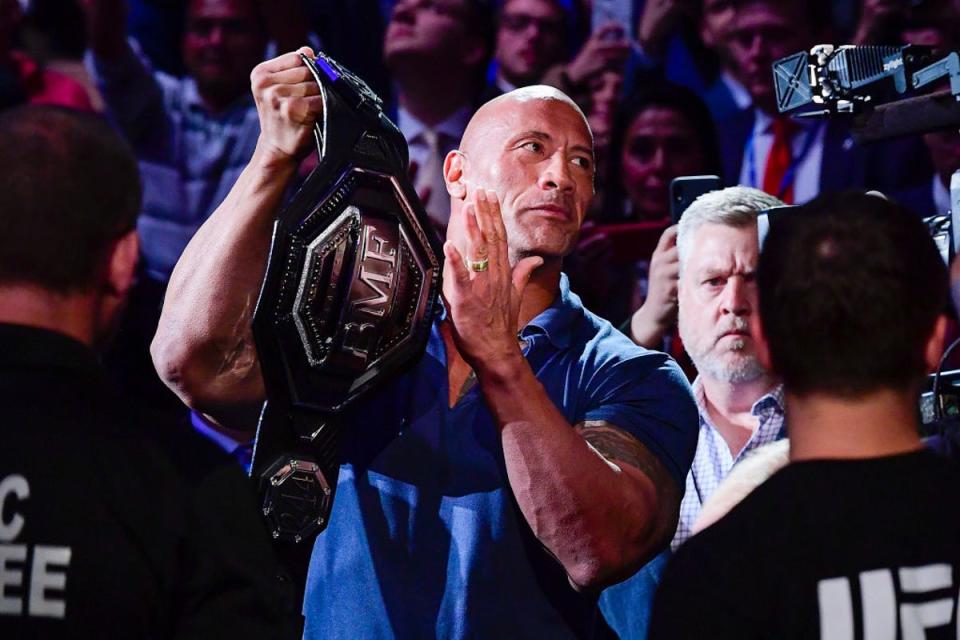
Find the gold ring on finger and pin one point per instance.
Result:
(479, 265)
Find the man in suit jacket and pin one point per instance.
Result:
(932, 196)
(437, 56)
(831, 162)
(795, 159)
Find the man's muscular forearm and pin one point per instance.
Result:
(598, 500)
(204, 344)
(599, 509)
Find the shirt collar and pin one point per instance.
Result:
(741, 97)
(941, 197)
(772, 400)
(769, 401)
(558, 321)
(452, 127)
(762, 121)
(191, 95)
(504, 85)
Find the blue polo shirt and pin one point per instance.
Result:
(426, 539)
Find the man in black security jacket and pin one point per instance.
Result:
(105, 529)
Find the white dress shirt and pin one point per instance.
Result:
(713, 459)
(941, 198)
(741, 97)
(503, 84)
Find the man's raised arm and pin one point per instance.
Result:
(204, 348)
(598, 499)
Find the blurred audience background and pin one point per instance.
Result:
(671, 88)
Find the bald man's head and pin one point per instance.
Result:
(493, 109)
(534, 149)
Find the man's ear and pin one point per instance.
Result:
(936, 344)
(453, 175)
(122, 264)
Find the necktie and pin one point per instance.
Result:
(430, 176)
(779, 161)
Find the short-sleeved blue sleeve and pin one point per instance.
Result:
(646, 394)
(425, 538)
(594, 372)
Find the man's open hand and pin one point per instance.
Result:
(482, 290)
(288, 103)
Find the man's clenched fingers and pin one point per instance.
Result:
(667, 239)
(283, 62)
(299, 90)
(266, 73)
(294, 75)
(302, 110)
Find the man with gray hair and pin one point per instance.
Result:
(707, 279)
(705, 266)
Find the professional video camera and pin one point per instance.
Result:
(870, 84)
(848, 78)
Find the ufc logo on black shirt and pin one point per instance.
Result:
(909, 603)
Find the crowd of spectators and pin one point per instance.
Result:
(684, 88)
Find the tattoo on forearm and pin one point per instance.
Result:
(240, 352)
(610, 463)
(618, 447)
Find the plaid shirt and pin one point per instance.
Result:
(713, 459)
(189, 157)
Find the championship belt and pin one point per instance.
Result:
(351, 289)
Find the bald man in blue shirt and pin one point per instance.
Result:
(533, 455)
